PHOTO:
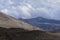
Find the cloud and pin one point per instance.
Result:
(47, 8)
(22, 11)
(31, 8)
(10, 1)
(4, 10)
(26, 10)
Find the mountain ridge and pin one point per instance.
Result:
(46, 24)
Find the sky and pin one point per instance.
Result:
(31, 8)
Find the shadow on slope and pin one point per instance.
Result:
(21, 34)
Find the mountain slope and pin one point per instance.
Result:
(10, 22)
(46, 24)
(21, 34)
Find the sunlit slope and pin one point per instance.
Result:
(10, 22)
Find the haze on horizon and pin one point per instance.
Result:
(31, 8)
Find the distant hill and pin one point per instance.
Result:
(46, 24)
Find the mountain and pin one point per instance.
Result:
(14, 29)
(10, 22)
(46, 24)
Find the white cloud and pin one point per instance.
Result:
(25, 10)
(4, 10)
(47, 8)
(31, 8)
(10, 1)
